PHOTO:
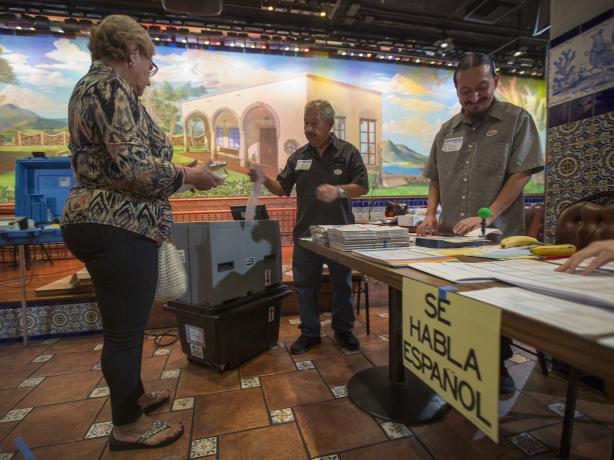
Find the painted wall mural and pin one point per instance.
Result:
(242, 107)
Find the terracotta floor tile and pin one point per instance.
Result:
(179, 450)
(269, 362)
(75, 344)
(69, 363)
(55, 424)
(10, 397)
(325, 349)
(399, 449)
(335, 426)
(288, 332)
(590, 439)
(5, 429)
(532, 382)
(521, 413)
(361, 334)
(11, 355)
(176, 360)
(83, 450)
(453, 437)
(294, 388)
(11, 376)
(151, 368)
(376, 353)
(228, 412)
(339, 370)
(596, 406)
(105, 413)
(279, 442)
(199, 380)
(61, 388)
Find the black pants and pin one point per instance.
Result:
(123, 266)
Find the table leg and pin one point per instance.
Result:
(570, 412)
(392, 392)
(22, 282)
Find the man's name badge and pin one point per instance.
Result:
(452, 144)
(338, 172)
(303, 165)
(491, 132)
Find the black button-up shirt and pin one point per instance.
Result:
(340, 164)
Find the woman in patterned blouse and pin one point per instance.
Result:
(118, 213)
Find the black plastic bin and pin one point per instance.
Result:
(226, 335)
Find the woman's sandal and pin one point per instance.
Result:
(154, 401)
(156, 427)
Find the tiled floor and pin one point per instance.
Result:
(275, 406)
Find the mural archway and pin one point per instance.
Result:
(197, 132)
(261, 126)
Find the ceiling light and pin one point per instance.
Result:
(517, 53)
(322, 13)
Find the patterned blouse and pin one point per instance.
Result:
(120, 157)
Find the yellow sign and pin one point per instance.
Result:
(452, 343)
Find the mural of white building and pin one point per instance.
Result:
(264, 123)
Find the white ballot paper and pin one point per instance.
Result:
(571, 316)
(250, 210)
(596, 289)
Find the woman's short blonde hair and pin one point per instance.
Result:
(116, 35)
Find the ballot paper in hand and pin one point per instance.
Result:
(250, 211)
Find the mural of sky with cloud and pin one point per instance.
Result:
(416, 100)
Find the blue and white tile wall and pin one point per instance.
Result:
(580, 145)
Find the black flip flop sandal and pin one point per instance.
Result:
(156, 427)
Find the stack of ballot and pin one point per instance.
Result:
(319, 233)
(363, 236)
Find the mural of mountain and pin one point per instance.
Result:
(13, 118)
(396, 153)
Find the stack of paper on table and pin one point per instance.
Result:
(402, 257)
(319, 233)
(571, 316)
(596, 289)
(363, 236)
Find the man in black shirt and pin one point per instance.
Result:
(328, 172)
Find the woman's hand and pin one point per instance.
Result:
(602, 251)
(200, 176)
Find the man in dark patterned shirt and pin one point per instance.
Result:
(328, 172)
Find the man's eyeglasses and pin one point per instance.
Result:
(153, 69)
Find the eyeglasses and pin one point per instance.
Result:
(153, 69)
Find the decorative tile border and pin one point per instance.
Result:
(6, 455)
(383, 315)
(203, 447)
(101, 392)
(49, 318)
(384, 338)
(304, 365)
(294, 321)
(340, 391)
(395, 430)
(42, 358)
(282, 416)
(528, 444)
(99, 430)
(328, 457)
(31, 382)
(278, 345)
(97, 366)
(15, 415)
(250, 382)
(99, 347)
(183, 403)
